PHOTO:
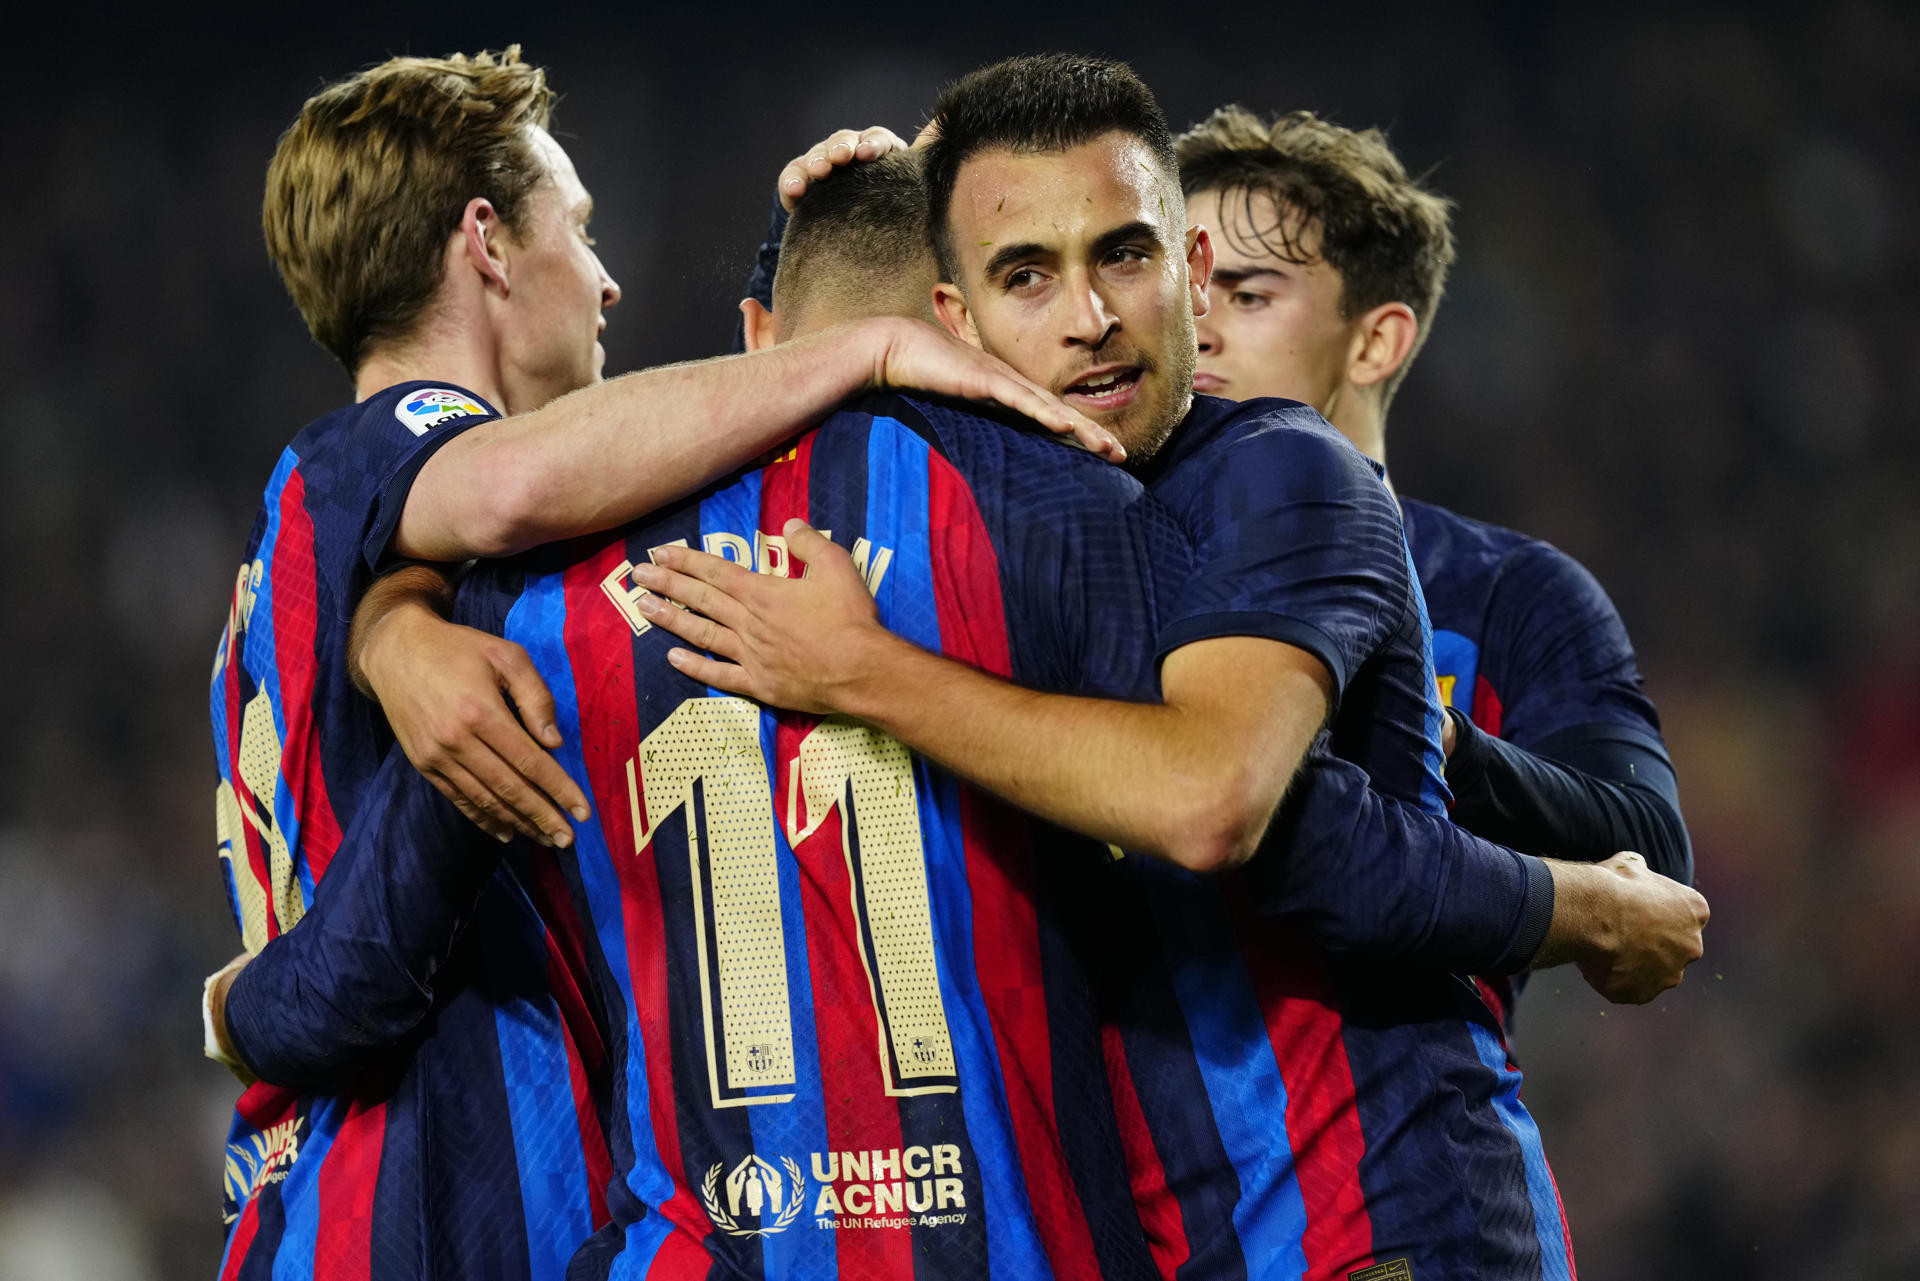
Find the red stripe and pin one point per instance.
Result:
(242, 1239)
(859, 1114)
(349, 1176)
(1304, 1026)
(1487, 710)
(973, 630)
(295, 621)
(1159, 1209)
(600, 647)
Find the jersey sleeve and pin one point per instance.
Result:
(1367, 875)
(356, 975)
(1295, 539)
(359, 492)
(1562, 654)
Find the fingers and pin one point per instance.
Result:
(519, 800)
(810, 547)
(716, 602)
(689, 627)
(458, 786)
(530, 695)
(730, 677)
(843, 147)
(1049, 411)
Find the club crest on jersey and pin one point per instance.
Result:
(754, 1190)
(421, 411)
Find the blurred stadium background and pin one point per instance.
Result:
(1683, 343)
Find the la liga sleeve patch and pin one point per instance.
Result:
(421, 411)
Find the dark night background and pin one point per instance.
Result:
(1682, 342)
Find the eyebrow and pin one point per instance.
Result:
(1120, 235)
(1128, 232)
(1227, 277)
(1015, 253)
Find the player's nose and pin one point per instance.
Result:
(1089, 322)
(609, 290)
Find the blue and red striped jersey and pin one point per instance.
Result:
(1290, 1112)
(849, 1029)
(1528, 645)
(372, 1176)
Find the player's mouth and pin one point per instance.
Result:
(1208, 384)
(1113, 387)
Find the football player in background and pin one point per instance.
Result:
(1329, 263)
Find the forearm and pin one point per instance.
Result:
(607, 454)
(1368, 875)
(355, 976)
(1159, 779)
(1609, 795)
(428, 587)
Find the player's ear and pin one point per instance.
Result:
(757, 323)
(950, 305)
(1199, 266)
(483, 241)
(1382, 340)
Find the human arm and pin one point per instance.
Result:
(1572, 763)
(606, 454)
(1366, 874)
(355, 976)
(466, 707)
(1591, 793)
(1193, 779)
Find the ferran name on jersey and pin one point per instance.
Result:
(767, 554)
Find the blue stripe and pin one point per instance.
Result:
(546, 1132)
(1456, 656)
(1235, 1056)
(538, 622)
(300, 1191)
(1434, 795)
(897, 516)
(1555, 1265)
(262, 652)
(799, 1126)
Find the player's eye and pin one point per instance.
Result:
(1022, 278)
(1126, 254)
(1247, 300)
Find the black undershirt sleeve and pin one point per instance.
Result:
(1589, 793)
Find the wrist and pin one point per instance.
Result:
(878, 677)
(1585, 925)
(384, 638)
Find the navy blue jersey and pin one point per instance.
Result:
(1527, 644)
(846, 1023)
(1289, 1112)
(353, 1180)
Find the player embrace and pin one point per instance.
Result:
(798, 992)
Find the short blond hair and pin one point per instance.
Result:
(1390, 239)
(375, 174)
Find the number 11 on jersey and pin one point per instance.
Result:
(706, 757)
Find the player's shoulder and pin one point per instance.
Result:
(1277, 439)
(994, 451)
(391, 419)
(1503, 564)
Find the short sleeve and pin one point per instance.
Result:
(1559, 654)
(1295, 539)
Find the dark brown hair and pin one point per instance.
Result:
(1390, 239)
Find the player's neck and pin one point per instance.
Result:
(442, 357)
(1359, 418)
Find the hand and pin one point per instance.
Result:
(1449, 732)
(917, 356)
(794, 643)
(219, 1046)
(842, 148)
(1632, 931)
(441, 686)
